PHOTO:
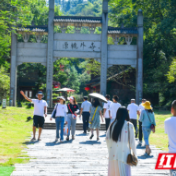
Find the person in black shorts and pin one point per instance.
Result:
(40, 110)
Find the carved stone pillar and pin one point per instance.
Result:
(49, 77)
(13, 70)
(104, 48)
(139, 69)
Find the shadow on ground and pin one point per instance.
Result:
(58, 143)
(90, 142)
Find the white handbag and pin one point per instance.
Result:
(65, 130)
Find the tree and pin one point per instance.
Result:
(159, 39)
(10, 10)
(4, 83)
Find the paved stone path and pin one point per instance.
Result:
(81, 157)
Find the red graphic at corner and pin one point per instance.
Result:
(166, 161)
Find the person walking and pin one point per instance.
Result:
(133, 111)
(73, 109)
(106, 111)
(40, 110)
(120, 141)
(61, 110)
(85, 108)
(170, 130)
(114, 107)
(147, 118)
(141, 108)
(95, 113)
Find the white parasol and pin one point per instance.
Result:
(98, 96)
(65, 90)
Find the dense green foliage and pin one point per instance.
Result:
(159, 40)
(4, 83)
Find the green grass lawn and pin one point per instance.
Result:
(159, 138)
(13, 133)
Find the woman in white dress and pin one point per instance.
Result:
(118, 144)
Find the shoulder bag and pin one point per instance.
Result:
(53, 115)
(93, 115)
(73, 115)
(152, 126)
(131, 158)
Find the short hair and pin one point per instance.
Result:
(107, 96)
(144, 100)
(174, 105)
(115, 97)
(85, 98)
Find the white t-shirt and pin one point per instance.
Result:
(113, 110)
(39, 106)
(170, 130)
(86, 106)
(141, 107)
(107, 107)
(61, 110)
(133, 108)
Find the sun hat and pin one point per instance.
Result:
(40, 93)
(70, 98)
(61, 97)
(147, 105)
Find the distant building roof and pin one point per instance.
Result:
(122, 30)
(77, 19)
(33, 29)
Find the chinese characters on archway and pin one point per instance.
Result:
(80, 45)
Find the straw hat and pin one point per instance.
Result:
(147, 105)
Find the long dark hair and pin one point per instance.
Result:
(121, 116)
(95, 102)
(149, 110)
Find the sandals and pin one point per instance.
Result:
(91, 136)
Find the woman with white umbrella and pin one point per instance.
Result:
(95, 113)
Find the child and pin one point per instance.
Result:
(170, 130)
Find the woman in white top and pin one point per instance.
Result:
(61, 110)
(118, 144)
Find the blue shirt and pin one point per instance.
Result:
(144, 118)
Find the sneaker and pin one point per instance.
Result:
(73, 137)
(139, 143)
(61, 141)
(98, 139)
(91, 136)
(33, 139)
(88, 129)
(67, 138)
(56, 140)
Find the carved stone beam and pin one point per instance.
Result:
(38, 37)
(63, 28)
(128, 39)
(25, 37)
(92, 28)
(116, 39)
(78, 29)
